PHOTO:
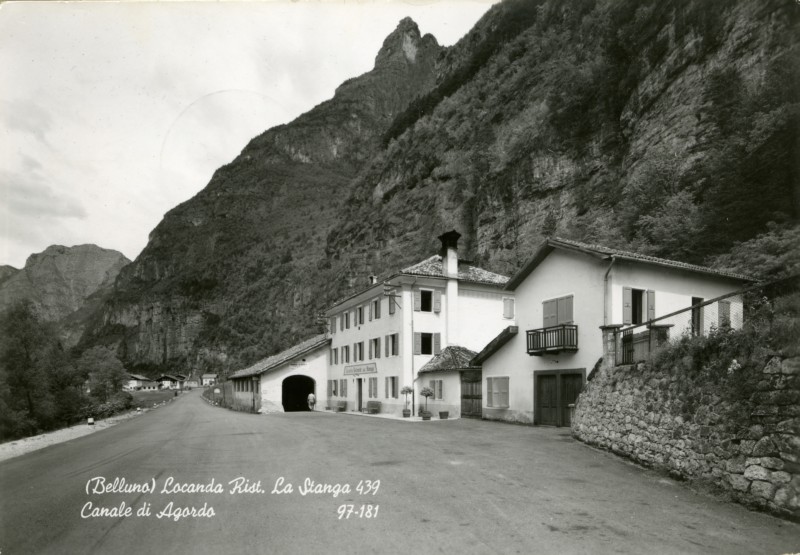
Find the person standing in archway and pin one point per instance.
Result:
(312, 400)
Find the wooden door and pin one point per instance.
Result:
(471, 394)
(360, 394)
(571, 386)
(547, 399)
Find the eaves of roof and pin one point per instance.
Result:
(270, 363)
(494, 345)
(606, 253)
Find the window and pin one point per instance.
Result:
(391, 387)
(392, 302)
(333, 356)
(375, 309)
(333, 324)
(508, 308)
(331, 388)
(346, 320)
(346, 354)
(557, 311)
(393, 345)
(638, 305)
(358, 351)
(426, 300)
(359, 315)
(427, 343)
(375, 348)
(373, 388)
(342, 388)
(724, 314)
(497, 393)
(697, 316)
(438, 388)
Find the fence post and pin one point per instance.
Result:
(610, 343)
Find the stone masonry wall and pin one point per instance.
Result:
(697, 432)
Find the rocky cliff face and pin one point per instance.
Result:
(64, 284)
(233, 270)
(665, 127)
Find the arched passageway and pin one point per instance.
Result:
(295, 393)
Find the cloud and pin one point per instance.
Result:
(26, 116)
(29, 194)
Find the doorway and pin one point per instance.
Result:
(294, 393)
(553, 392)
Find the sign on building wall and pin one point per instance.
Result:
(369, 368)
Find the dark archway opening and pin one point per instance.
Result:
(295, 393)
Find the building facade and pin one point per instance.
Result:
(381, 337)
(565, 296)
(282, 383)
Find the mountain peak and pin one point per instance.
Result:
(401, 43)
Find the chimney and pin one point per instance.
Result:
(449, 253)
(372, 279)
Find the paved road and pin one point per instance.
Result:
(445, 487)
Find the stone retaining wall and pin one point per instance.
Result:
(749, 447)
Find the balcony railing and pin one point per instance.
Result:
(552, 340)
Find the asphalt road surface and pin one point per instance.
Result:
(379, 486)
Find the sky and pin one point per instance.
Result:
(112, 113)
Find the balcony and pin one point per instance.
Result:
(553, 340)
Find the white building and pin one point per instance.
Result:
(281, 383)
(565, 294)
(382, 336)
(208, 379)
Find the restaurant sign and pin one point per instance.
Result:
(369, 368)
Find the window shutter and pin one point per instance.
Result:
(377, 308)
(550, 312)
(504, 392)
(341, 322)
(332, 326)
(437, 343)
(369, 305)
(417, 300)
(417, 343)
(370, 349)
(489, 402)
(386, 344)
(724, 313)
(386, 388)
(437, 301)
(378, 347)
(651, 305)
(508, 308)
(627, 305)
(391, 305)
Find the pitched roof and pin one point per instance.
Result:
(494, 345)
(450, 359)
(269, 363)
(138, 377)
(607, 253)
(466, 272)
(432, 267)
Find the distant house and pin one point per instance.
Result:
(383, 335)
(150, 385)
(564, 295)
(282, 382)
(135, 382)
(208, 379)
(168, 381)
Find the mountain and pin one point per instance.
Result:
(665, 127)
(65, 284)
(233, 270)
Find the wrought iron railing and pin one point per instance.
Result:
(553, 339)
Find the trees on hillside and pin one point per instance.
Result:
(41, 387)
